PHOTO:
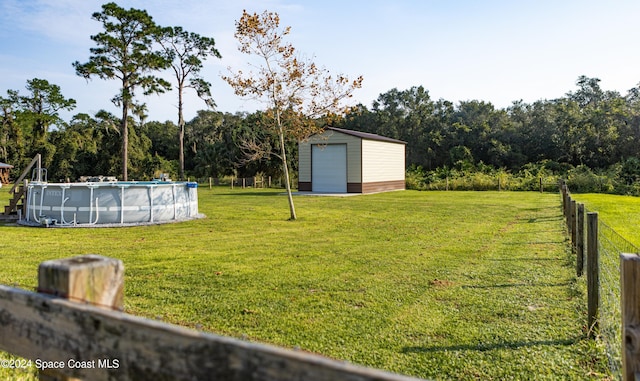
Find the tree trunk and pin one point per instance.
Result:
(181, 133)
(125, 140)
(285, 166)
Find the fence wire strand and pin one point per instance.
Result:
(610, 246)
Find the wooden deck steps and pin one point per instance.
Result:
(19, 191)
(15, 204)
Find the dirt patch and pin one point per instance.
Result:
(441, 283)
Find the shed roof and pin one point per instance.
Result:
(4, 165)
(366, 135)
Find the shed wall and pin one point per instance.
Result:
(354, 162)
(382, 161)
(372, 165)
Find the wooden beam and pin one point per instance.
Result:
(580, 240)
(36, 159)
(573, 223)
(115, 345)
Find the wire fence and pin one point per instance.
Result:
(610, 246)
(609, 315)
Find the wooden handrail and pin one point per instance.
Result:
(36, 159)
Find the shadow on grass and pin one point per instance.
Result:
(508, 285)
(536, 243)
(548, 231)
(482, 347)
(531, 259)
(245, 193)
(542, 219)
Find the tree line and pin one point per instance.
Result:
(588, 128)
(588, 132)
(90, 145)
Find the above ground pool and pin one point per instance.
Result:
(117, 203)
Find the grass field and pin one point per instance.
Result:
(440, 285)
(621, 213)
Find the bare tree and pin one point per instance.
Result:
(297, 92)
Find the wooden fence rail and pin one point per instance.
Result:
(76, 339)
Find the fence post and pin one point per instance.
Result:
(91, 278)
(630, 302)
(580, 240)
(567, 213)
(541, 186)
(573, 225)
(593, 273)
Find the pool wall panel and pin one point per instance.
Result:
(75, 204)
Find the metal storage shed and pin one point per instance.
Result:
(346, 161)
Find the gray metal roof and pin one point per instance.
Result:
(366, 135)
(3, 165)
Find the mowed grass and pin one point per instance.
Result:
(439, 285)
(621, 213)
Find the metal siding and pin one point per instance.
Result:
(304, 162)
(382, 161)
(329, 168)
(354, 160)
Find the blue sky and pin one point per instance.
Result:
(498, 51)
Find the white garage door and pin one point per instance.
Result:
(329, 168)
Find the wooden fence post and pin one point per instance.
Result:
(593, 274)
(92, 279)
(573, 224)
(580, 240)
(541, 186)
(567, 213)
(630, 295)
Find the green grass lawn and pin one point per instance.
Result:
(440, 285)
(621, 213)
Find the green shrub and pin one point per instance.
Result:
(414, 178)
(582, 179)
(622, 178)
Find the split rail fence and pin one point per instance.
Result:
(611, 266)
(73, 326)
